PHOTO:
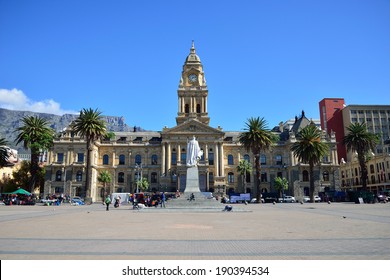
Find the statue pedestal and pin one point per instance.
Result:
(192, 180)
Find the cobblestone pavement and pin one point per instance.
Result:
(337, 231)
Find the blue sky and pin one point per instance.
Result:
(270, 59)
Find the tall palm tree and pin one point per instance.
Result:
(3, 152)
(243, 168)
(90, 125)
(104, 177)
(361, 141)
(310, 150)
(38, 137)
(256, 138)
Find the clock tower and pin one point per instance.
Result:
(192, 92)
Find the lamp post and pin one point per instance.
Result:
(138, 167)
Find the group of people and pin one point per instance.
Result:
(154, 200)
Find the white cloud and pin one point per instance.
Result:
(15, 99)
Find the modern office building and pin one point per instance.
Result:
(160, 156)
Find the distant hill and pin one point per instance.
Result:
(10, 120)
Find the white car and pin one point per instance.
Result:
(287, 198)
(316, 199)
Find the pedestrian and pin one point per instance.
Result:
(162, 199)
(108, 202)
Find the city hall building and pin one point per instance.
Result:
(160, 156)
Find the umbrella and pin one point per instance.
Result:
(21, 191)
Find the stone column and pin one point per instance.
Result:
(169, 157)
(216, 160)
(222, 161)
(178, 153)
(163, 158)
(113, 157)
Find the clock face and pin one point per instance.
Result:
(192, 78)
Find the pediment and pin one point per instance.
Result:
(193, 127)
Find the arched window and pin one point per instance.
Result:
(230, 160)
(138, 159)
(122, 159)
(121, 177)
(154, 159)
(305, 176)
(183, 156)
(153, 178)
(325, 176)
(79, 176)
(230, 177)
(247, 158)
(105, 160)
(58, 175)
(263, 160)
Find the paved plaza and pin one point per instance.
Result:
(337, 231)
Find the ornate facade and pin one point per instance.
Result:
(160, 157)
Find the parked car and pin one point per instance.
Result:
(77, 200)
(316, 199)
(287, 198)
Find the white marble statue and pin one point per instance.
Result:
(194, 153)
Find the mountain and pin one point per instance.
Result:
(11, 120)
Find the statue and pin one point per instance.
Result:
(194, 153)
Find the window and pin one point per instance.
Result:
(279, 160)
(263, 177)
(305, 176)
(138, 159)
(230, 160)
(211, 157)
(372, 168)
(198, 108)
(79, 176)
(183, 156)
(80, 157)
(105, 160)
(58, 175)
(173, 158)
(121, 177)
(263, 160)
(187, 108)
(211, 177)
(154, 159)
(247, 158)
(325, 176)
(60, 157)
(122, 159)
(230, 177)
(153, 178)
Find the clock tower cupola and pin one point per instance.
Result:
(192, 92)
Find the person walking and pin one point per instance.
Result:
(162, 199)
(108, 202)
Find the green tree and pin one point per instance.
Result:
(104, 177)
(3, 152)
(359, 140)
(281, 185)
(310, 150)
(244, 167)
(256, 138)
(38, 137)
(90, 125)
(142, 184)
(21, 177)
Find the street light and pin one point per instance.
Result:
(138, 167)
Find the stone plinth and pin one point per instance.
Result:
(192, 181)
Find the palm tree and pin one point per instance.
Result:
(3, 152)
(310, 150)
(38, 137)
(361, 141)
(243, 168)
(90, 125)
(281, 184)
(256, 138)
(104, 177)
